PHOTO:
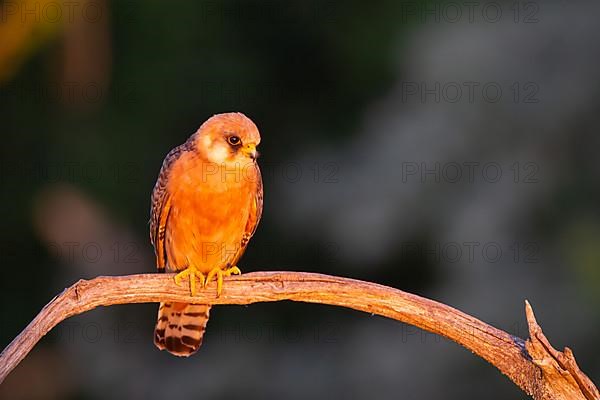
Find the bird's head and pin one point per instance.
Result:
(228, 139)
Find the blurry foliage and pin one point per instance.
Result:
(21, 37)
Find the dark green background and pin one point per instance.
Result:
(324, 83)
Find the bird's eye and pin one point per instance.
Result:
(234, 140)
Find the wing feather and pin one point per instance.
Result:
(257, 206)
(254, 217)
(161, 206)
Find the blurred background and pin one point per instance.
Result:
(448, 149)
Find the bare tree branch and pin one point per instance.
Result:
(533, 364)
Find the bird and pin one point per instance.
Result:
(205, 206)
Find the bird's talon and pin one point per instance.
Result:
(232, 271)
(219, 274)
(192, 273)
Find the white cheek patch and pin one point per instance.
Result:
(206, 142)
(218, 154)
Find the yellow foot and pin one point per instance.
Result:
(220, 273)
(191, 272)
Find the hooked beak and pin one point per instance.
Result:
(250, 151)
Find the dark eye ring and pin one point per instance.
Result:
(234, 140)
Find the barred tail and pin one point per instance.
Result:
(180, 327)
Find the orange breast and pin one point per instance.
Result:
(209, 211)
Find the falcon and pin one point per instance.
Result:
(206, 205)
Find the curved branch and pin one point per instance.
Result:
(534, 365)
